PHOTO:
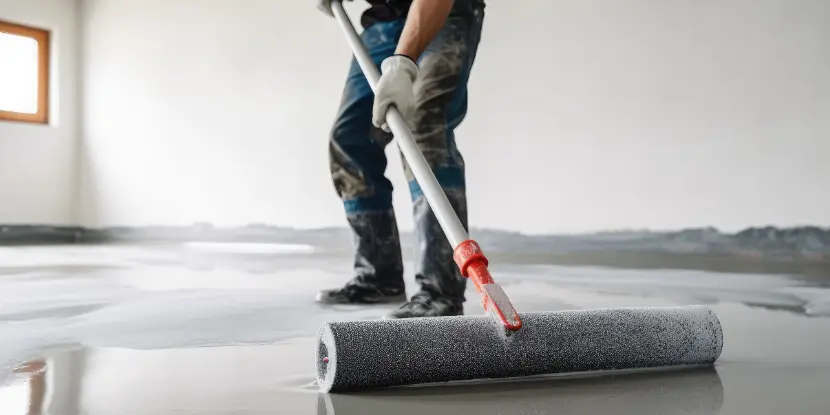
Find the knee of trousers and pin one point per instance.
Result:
(357, 172)
(450, 177)
(425, 220)
(436, 140)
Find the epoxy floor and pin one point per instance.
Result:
(228, 329)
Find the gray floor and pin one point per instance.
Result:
(121, 329)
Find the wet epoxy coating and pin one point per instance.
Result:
(213, 328)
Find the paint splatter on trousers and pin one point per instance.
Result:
(358, 161)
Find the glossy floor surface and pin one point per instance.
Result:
(228, 329)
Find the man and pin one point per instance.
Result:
(425, 50)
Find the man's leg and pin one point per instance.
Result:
(441, 99)
(358, 162)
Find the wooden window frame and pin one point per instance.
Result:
(42, 37)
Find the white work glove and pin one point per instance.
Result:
(398, 73)
(325, 6)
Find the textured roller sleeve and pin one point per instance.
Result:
(358, 355)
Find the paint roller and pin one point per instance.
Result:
(371, 354)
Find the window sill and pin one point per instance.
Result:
(39, 119)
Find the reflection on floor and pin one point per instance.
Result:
(235, 381)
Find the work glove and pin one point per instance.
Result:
(398, 73)
(325, 6)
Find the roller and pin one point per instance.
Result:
(371, 354)
(361, 355)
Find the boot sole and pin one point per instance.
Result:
(379, 300)
(391, 317)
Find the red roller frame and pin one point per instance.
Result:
(473, 265)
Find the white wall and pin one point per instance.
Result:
(584, 115)
(38, 174)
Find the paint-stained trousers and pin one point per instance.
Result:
(358, 161)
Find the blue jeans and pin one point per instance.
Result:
(358, 161)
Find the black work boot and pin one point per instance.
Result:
(427, 304)
(358, 292)
(378, 264)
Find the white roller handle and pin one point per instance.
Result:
(442, 208)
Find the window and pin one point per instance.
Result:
(24, 73)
